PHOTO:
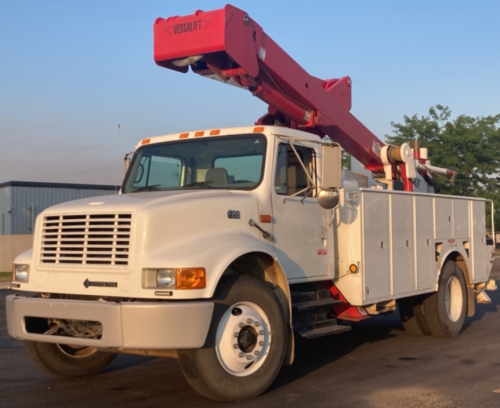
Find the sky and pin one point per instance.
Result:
(79, 87)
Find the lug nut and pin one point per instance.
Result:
(249, 357)
(261, 343)
(261, 332)
(249, 321)
(235, 345)
(256, 324)
(256, 352)
(241, 325)
(236, 334)
(240, 355)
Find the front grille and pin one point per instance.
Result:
(87, 239)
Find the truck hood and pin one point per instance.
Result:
(132, 202)
(160, 229)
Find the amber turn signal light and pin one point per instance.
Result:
(353, 268)
(191, 278)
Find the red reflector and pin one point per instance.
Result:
(265, 218)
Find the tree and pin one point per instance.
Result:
(346, 160)
(470, 146)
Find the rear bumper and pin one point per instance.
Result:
(135, 325)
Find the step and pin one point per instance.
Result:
(303, 296)
(314, 304)
(324, 329)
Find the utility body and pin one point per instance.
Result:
(225, 242)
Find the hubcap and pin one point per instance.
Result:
(243, 339)
(454, 299)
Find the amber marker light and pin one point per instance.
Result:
(184, 136)
(145, 141)
(191, 278)
(214, 132)
(266, 218)
(258, 129)
(198, 134)
(353, 268)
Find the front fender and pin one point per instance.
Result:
(24, 258)
(214, 251)
(239, 246)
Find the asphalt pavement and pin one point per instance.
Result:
(376, 365)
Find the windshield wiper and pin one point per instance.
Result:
(200, 184)
(153, 187)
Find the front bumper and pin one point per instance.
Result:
(133, 325)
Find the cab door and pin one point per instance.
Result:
(299, 224)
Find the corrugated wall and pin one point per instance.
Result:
(28, 202)
(5, 216)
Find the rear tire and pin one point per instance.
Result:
(412, 316)
(62, 360)
(445, 310)
(245, 345)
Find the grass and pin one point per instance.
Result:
(5, 276)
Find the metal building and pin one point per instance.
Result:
(22, 201)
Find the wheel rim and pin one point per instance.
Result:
(454, 299)
(76, 351)
(243, 339)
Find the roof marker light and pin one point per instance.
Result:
(258, 129)
(198, 134)
(184, 136)
(145, 141)
(214, 132)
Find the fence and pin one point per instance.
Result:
(10, 247)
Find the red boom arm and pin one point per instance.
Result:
(227, 44)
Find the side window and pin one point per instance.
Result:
(290, 176)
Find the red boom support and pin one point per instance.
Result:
(227, 44)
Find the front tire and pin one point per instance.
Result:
(445, 309)
(245, 345)
(63, 360)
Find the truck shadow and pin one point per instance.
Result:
(313, 354)
(483, 309)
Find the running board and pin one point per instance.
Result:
(321, 329)
(314, 304)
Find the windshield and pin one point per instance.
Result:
(234, 162)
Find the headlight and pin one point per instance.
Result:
(165, 278)
(174, 278)
(20, 273)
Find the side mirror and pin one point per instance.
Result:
(328, 199)
(330, 177)
(331, 167)
(126, 162)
